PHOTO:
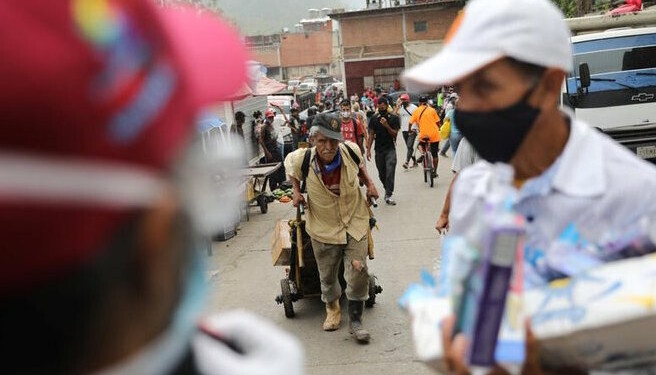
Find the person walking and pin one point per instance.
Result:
(337, 217)
(383, 129)
(268, 140)
(238, 127)
(404, 109)
(294, 124)
(454, 135)
(352, 128)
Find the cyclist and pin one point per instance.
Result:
(428, 121)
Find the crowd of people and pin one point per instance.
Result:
(370, 120)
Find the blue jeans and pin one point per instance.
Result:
(455, 139)
(445, 147)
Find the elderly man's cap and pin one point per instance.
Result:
(329, 125)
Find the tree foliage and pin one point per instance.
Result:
(569, 7)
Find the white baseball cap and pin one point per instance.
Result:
(532, 31)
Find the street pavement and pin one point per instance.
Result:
(242, 276)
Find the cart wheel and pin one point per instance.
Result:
(373, 290)
(425, 175)
(263, 203)
(287, 298)
(431, 177)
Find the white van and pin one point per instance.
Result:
(613, 86)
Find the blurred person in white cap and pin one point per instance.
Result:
(101, 271)
(507, 60)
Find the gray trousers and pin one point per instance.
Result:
(354, 255)
(386, 165)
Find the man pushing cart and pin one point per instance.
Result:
(337, 218)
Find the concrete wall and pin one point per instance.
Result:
(296, 72)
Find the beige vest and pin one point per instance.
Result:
(330, 217)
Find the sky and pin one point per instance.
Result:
(255, 17)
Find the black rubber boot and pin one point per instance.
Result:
(355, 324)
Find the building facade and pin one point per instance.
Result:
(378, 43)
(308, 50)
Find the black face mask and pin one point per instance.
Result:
(497, 135)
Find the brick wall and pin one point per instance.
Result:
(373, 30)
(301, 49)
(437, 21)
(268, 55)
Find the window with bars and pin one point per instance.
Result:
(421, 26)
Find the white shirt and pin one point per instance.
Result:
(465, 156)
(595, 186)
(282, 130)
(404, 116)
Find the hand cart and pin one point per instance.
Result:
(302, 278)
(260, 178)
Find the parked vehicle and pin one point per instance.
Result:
(614, 83)
(292, 84)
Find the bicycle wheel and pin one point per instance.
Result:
(429, 167)
(425, 165)
(432, 177)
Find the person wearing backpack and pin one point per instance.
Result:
(337, 217)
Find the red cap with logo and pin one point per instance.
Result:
(93, 89)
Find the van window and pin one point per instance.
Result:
(629, 60)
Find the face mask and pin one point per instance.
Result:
(346, 114)
(497, 135)
(405, 104)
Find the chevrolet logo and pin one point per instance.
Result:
(642, 97)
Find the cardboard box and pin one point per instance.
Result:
(281, 244)
(602, 319)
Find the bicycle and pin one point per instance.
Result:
(429, 171)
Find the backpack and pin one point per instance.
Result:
(305, 166)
